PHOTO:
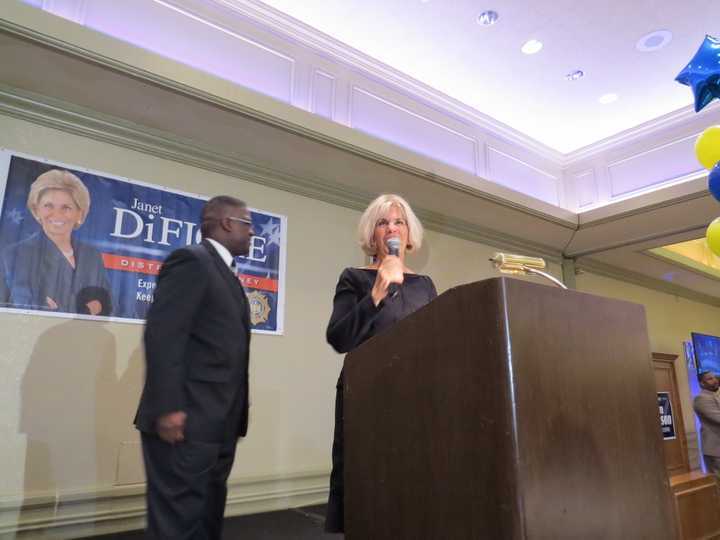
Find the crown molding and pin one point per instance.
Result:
(80, 121)
(628, 276)
(658, 236)
(292, 29)
(273, 21)
(267, 110)
(643, 131)
(285, 27)
(702, 194)
(289, 28)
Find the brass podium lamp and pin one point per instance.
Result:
(520, 265)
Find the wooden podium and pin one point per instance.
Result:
(506, 410)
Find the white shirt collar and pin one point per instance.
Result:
(222, 251)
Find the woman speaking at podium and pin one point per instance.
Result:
(369, 300)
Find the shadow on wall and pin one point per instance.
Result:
(418, 260)
(75, 411)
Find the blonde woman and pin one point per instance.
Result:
(369, 300)
(50, 270)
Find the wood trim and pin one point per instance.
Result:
(669, 360)
(665, 357)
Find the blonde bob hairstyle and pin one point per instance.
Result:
(376, 211)
(63, 181)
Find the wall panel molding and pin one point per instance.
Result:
(369, 111)
(67, 40)
(294, 63)
(220, 47)
(518, 174)
(586, 186)
(284, 55)
(75, 514)
(74, 10)
(366, 66)
(653, 167)
(322, 94)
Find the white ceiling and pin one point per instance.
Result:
(440, 43)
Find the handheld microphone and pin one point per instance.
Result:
(393, 247)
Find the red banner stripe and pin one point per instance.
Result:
(131, 264)
(263, 284)
(152, 267)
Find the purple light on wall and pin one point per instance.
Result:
(694, 391)
(190, 40)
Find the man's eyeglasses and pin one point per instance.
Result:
(241, 220)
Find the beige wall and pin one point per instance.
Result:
(670, 321)
(69, 387)
(72, 386)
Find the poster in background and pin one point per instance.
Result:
(666, 415)
(130, 228)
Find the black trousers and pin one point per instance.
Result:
(186, 487)
(335, 517)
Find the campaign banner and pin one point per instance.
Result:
(85, 244)
(666, 415)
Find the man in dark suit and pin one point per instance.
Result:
(194, 405)
(707, 407)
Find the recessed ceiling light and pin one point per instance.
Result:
(531, 46)
(606, 99)
(488, 18)
(654, 41)
(575, 75)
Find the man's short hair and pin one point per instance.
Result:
(216, 209)
(702, 374)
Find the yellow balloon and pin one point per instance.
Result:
(707, 147)
(712, 235)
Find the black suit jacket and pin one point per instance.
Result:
(35, 269)
(197, 340)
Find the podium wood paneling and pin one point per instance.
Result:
(506, 410)
(697, 503)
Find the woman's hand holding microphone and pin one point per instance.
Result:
(390, 272)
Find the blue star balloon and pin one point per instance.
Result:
(702, 74)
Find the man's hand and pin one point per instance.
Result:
(171, 427)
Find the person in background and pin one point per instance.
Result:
(369, 300)
(707, 407)
(51, 270)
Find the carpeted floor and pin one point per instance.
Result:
(294, 524)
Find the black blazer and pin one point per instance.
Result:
(197, 340)
(34, 269)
